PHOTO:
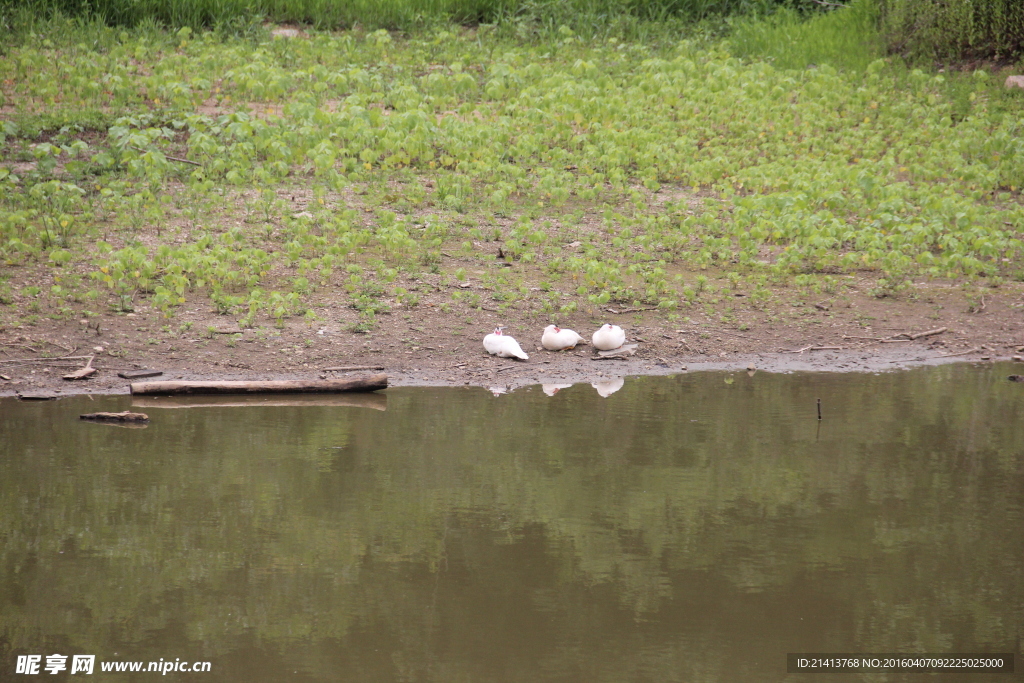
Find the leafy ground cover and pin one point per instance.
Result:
(361, 185)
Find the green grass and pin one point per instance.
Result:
(254, 173)
(373, 14)
(846, 38)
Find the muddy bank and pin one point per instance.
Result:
(500, 374)
(426, 345)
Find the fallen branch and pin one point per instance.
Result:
(139, 374)
(962, 353)
(929, 333)
(44, 361)
(352, 368)
(364, 383)
(893, 341)
(816, 348)
(21, 346)
(87, 371)
(630, 310)
(59, 346)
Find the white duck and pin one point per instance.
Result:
(609, 337)
(608, 387)
(499, 344)
(558, 339)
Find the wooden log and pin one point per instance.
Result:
(299, 386)
(124, 416)
(36, 395)
(139, 374)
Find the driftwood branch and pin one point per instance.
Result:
(962, 353)
(630, 310)
(139, 374)
(44, 361)
(87, 371)
(817, 348)
(20, 346)
(363, 383)
(929, 333)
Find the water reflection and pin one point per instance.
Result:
(552, 389)
(606, 388)
(689, 529)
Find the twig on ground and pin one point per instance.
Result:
(817, 348)
(929, 333)
(962, 353)
(630, 310)
(352, 368)
(20, 346)
(82, 373)
(168, 156)
(44, 361)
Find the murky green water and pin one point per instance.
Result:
(695, 528)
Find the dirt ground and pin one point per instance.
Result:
(425, 345)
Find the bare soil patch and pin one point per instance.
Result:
(426, 345)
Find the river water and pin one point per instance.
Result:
(692, 528)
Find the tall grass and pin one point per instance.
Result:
(846, 38)
(953, 29)
(389, 14)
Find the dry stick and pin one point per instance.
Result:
(21, 346)
(168, 156)
(42, 360)
(962, 353)
(87, 371)
(59, 346)
(817, 348)
(352, 368)
(629, 310)
(929, 333)
(874, 339)
(892, 341)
